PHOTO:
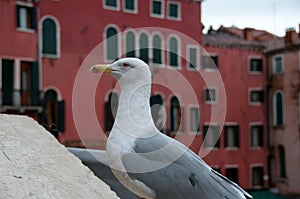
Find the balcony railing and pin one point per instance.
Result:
(10, 98)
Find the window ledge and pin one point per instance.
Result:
(278, 127)
(255, 148)
(231, 148)
(51, 56)
(27, 30)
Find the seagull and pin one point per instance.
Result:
(146, 161)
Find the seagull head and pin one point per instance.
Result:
(127, 70)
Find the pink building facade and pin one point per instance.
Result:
(284, 92)
(209, 91)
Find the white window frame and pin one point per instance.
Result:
(125, 41)
(181, 125)
(251, 179)
(216, 94)
(28, 5)
(162, 49)
(178, 67)
(274, 62)
(210, 55)
(249, 65)
(135, 11)
(179, 11)
(162, 15)
(227, 124)
(58, 43)
(250, 135)
(232, 166)
(214, 148)
(111, 7)
(149, 44)
(196, 47)
(105, 42)
(190, 119)
(249, 96)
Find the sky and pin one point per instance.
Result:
(274, 16)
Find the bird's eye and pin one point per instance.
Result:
(125, 64)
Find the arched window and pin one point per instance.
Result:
(175, 115)
(112, 47)
(111, 107)
(54, 112)
(281, 154)
(50, 37)
(157, 50)
(173, 52)
(130, 44)
(278, 108)
(144, 51)
(156, 103)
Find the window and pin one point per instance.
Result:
(156, 104)
(231, 134)
(157, 50)
(144, 49)
(130, 6)
(194, 120)
(256, 97)
(26, 17)
(217, 169)
(278, 108)
(50, 40)
(255, 65)
(173, 52)
(157, 8)
(176, 120)
(53, 116)
(112, 44)
(7, 81)
(192, 53)
(210, 95)
(256, 136)
(257, 176)
(210, 62)
(130, 44)
(232, 174)
(111, 4)
(174, 11)
(277, 64)
(211, 136)
(111, 107)
(29, 83)
(282, 166)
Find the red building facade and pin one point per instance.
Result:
(213, 99)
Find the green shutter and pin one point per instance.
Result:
(129, 4)
(61, 116)
(34, 84)
(17, 16)
(7, 81)
(49, 37)
(32, 18)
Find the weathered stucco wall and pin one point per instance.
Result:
(34, 165)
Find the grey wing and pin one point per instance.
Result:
(185, 176)
(96, 161)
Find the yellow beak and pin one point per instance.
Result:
(100, 68)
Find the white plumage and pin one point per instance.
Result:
(147, 162)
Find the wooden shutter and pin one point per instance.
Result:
(61, 116)
(34, 90)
